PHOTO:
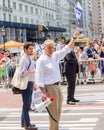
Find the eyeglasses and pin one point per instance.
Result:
(48, 47)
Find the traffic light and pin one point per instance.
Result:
(40, 28)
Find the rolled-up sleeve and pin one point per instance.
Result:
(23, 67)
(62, 53)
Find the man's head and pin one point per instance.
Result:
(81, 48)
(61, 41)
(6, 53)
(91, 44)
(28, 48)
(49, 47)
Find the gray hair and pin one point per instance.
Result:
(47, 41)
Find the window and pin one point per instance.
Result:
(20, 7)
(26, 8)
(31, 10)
(32, 21)
(9, 3)
(15, 18)
(9, 17)
(36, 11)
(37, 21)
(4, 17)
(27, 20)
(21, 19)
(3, 2)
(14, 5)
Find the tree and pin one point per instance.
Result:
(63, 37)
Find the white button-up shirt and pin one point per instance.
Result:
(47, 68)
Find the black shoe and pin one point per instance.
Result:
(74, 100)
(23, 125)
(31, 128)
(32, 125)
(71, 103)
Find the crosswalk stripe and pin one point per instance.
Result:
(10, 109)
(82, 120)
(71, 128)
(64, 108)
(46, 114)
(84, 108)
(47, 125)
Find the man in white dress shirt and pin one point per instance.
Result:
(48, 77)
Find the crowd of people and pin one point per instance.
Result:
(47, 66)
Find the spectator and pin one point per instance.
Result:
(91, 51)
(11, 66)
(6, 58)
(3, 71)
(92, 68)
(82, 63)
(101, 62)
(60, 44)
(1, 56)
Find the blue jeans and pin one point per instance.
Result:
(26, 97)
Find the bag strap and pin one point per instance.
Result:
(29, 64)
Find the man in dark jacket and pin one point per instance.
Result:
(71, 68)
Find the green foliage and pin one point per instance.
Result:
(63, 37)
(103, 3)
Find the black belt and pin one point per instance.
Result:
(57, 83)
(32, 82)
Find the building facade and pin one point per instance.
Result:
(95, 17)
(31, 20)
(37, 20)
(101, 16)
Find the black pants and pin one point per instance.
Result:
(71, 79)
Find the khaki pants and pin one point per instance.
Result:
(55, 107)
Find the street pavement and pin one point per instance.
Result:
(88, 114)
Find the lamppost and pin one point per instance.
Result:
(3, 34)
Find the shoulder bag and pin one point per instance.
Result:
(18, 82)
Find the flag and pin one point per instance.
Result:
(78, 11)
(38, 48)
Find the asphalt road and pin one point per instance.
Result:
(88, 114)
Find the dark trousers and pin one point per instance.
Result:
(71, 79)
(26, 98)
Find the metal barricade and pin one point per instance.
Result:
(6, 75)
(89, 72)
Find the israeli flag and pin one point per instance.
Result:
(38, 48)
(78, 11)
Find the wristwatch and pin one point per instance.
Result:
(74, 37)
